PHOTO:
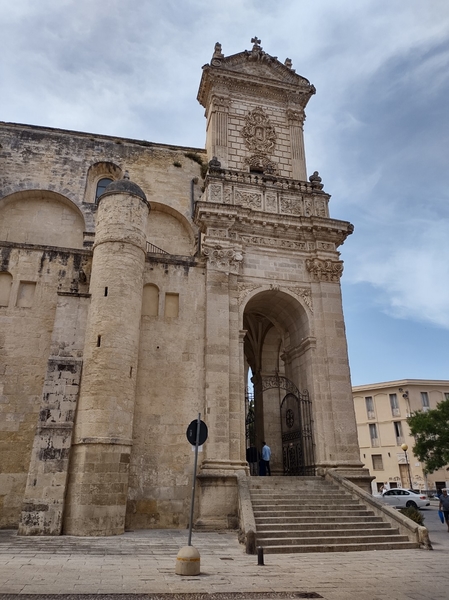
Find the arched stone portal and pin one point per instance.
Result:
(276, 326)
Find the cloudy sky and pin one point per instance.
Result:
(377, 129)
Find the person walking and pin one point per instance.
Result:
(266, 455)
(444, 506)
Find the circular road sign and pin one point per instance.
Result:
(191, 432)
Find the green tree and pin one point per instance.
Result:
(431, 432)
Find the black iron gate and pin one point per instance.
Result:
(298, 454)
(297, 437)
(250, 421)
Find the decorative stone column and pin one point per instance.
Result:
(334, 417)
(217, 112)
(98, 477)
(218, 482)
(298, 159)
(217, 129)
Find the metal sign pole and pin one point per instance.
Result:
(194, 478)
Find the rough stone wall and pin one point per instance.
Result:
(38, 158)
(52, 168)
(25, 343)
(170, 393)
(43, 505)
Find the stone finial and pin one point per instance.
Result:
(217, 51)
(315, 180)
(214, 163)
(256, 52)
(288, 63)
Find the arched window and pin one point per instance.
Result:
(101, 186)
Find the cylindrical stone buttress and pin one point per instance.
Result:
(98, 474)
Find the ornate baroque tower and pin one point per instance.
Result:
(272, 283)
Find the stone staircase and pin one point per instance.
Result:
(310, 514)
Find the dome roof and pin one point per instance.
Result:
(124, 186)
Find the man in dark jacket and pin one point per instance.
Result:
(444, 506)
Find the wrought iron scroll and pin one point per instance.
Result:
(277, 381)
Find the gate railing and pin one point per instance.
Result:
(297, 435)
(298, 450)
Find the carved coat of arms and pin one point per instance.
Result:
(260, 139)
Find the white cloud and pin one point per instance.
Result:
(412, 275)
(377, 130)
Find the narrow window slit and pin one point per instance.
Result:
(105, 291)
(98, 341)
(130, 371)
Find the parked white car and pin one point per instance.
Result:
(404, 498)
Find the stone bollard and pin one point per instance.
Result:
(188, 561)
(260, 555)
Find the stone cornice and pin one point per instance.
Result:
(268, 76)
(397, 383)
(256, 88)
(259, 228)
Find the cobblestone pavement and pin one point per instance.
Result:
(143, 562)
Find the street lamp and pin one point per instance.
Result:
(405, 448)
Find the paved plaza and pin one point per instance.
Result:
(143, 562)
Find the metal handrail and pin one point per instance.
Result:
(152, 249)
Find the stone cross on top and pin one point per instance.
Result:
(255, 40)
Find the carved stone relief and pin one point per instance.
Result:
(248, 200)
(325, 246)
(290, 206)
(320, 208)
(308, 207)
(221, 103)
(296, 116)
(223, 259)
(271, 203)
(215, 193)
(246, 288)
(227, 196)
(221, 233)
(305, 294)
(258, 240)
(260, 138)
(258, 133)
(325, 270)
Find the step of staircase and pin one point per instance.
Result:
(343, 547)
(310, 514)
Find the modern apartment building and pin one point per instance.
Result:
(381, 413)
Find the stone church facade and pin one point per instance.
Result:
(139, 283)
